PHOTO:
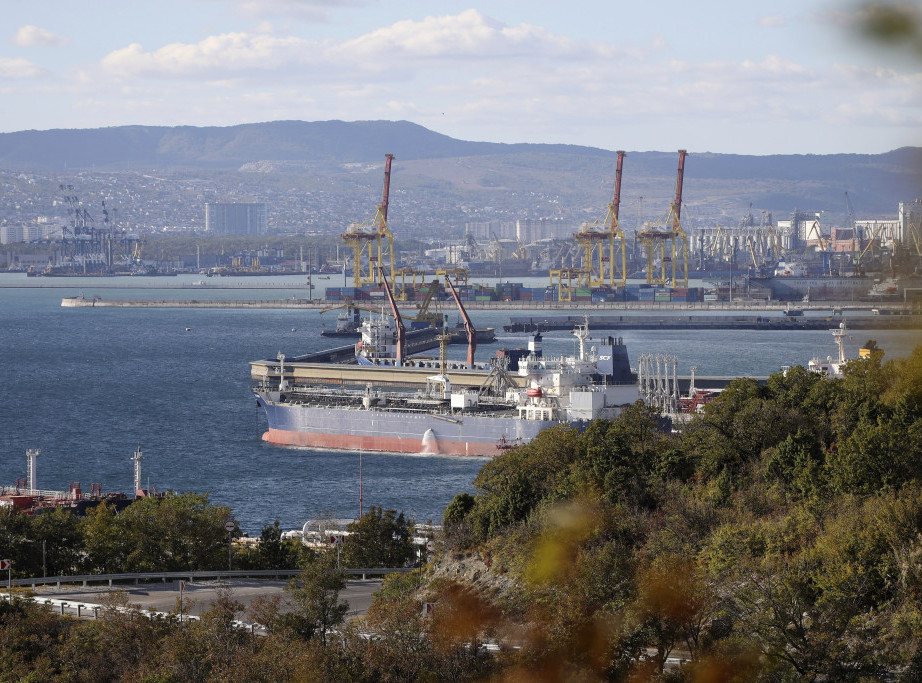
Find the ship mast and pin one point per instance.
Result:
(137, 458)
(840, 335)
(31, 455)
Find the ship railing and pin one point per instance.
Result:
(62, 496)
(39, 493)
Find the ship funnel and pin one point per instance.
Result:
(430, 445)
(534, 345)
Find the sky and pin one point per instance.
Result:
(785, 77)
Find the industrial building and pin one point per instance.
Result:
(236, 219)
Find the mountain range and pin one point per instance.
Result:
(573, 181)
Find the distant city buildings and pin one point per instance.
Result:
(524, 230)
(531, 230)
(236, 219)
(11, 234)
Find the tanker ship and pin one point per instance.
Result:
(377, 401)
(436, 407)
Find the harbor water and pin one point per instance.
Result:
(86, 386)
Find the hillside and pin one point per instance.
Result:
(519, 179)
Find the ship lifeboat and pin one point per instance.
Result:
(534, 392)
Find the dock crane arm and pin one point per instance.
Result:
(614, 227)
(468, 325)
(401, 330)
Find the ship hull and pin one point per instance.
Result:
(816, 288)
(357, 429)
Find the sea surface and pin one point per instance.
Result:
(86, 386)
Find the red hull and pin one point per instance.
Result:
(351, 442)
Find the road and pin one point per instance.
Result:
(199, 595)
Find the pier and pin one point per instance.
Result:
(735, 315)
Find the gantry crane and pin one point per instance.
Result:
(371, 242)
(654, 239)
(403, 292)
(592, 240)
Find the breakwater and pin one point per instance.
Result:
(678, 321)
(669, 307)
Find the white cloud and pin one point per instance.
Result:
(470, 35)
(35, 36)
(18, 68)
(223, 56)
(466, 38)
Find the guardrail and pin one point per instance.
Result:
(138, 577)
(87, 610)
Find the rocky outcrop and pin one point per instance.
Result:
(470, 569)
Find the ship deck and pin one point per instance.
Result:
(329, 374)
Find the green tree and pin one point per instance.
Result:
(179, 531)
(17, 542)
(105, 544)
(798, 463)
(273, 552)
(400, 649)
(128, 638)
(315, 594)
(207, 648)
(380, 538)
(57, 534)
(873, 455)
(511, 485)
(618, 455)
(458, 509)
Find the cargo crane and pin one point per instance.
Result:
(403, 292)
(653, 239)
(566, 277)
(915, 235)
(468, 325)
(398, 320)
(367, 240)
(423, 314)
(856, 241)
(592, 241)
(84, 246)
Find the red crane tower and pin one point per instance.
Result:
(654, 239)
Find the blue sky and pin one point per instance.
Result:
(749, 78)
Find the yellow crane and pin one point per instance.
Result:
(653, 239)
(592, 240)
(371, 241)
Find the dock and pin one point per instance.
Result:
(679, 321)
(666, 308)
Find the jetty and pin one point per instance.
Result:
(647, 315)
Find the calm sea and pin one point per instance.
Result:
(86, 386)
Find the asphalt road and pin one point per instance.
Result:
(198, 596)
